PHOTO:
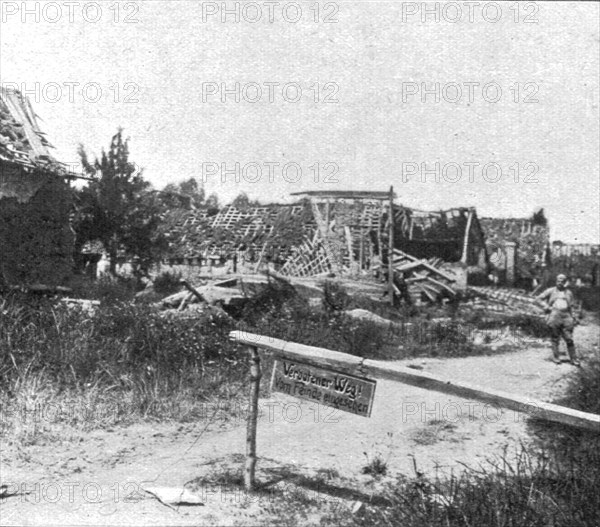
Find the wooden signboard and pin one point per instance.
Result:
(324, 386)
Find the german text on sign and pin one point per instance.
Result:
(327, 387)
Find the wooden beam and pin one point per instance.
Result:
(385, 370)
(422, 287)
(349, 245)
(465, 253)
(344, 194)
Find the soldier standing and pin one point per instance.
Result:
(559, 303)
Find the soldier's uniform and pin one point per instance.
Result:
(560, 319)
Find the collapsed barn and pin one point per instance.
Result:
(334, 233)
(35, 236)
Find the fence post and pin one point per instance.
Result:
(255, 375)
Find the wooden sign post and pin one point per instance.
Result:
(255, 375)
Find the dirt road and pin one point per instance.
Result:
(98, 478)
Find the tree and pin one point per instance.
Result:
(118, 209)
(242, 201)
(190, 188)
(187, 195)
(539, 218)
(212, 202)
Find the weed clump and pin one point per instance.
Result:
(167, 282)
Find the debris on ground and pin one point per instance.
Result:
(174, 496)
(209, 294)
(363, 314)
(423, 277)
(504, 300)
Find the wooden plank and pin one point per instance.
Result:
(439, 272)
(300, 352)
(393, 372)
(436, 282)
(407, 267)
(426, 291)
(431, 287)
(442, 284)
(402, 254)
(345, 194)
(417, 278)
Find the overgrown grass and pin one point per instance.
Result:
(554, 485)
(122, 362)
(125, 362)
(520, 491)
(277, 311)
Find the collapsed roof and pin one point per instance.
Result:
(327, 231)
(25, 159)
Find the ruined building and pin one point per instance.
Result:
(518, 248)
(36, 241)
(345, 233)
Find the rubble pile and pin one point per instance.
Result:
(423, 276)
(505, 300)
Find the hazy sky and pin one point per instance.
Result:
(152, 67)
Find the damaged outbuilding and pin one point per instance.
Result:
(35, 201)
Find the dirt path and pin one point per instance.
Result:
(98, 480)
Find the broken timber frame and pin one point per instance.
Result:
(358, 366)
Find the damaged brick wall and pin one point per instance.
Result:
(531, 238)
(36, 239)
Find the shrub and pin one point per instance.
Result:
(335, 297)
(589, 297)
(167, 282)
(107, 289)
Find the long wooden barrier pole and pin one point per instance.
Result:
(384, 370)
